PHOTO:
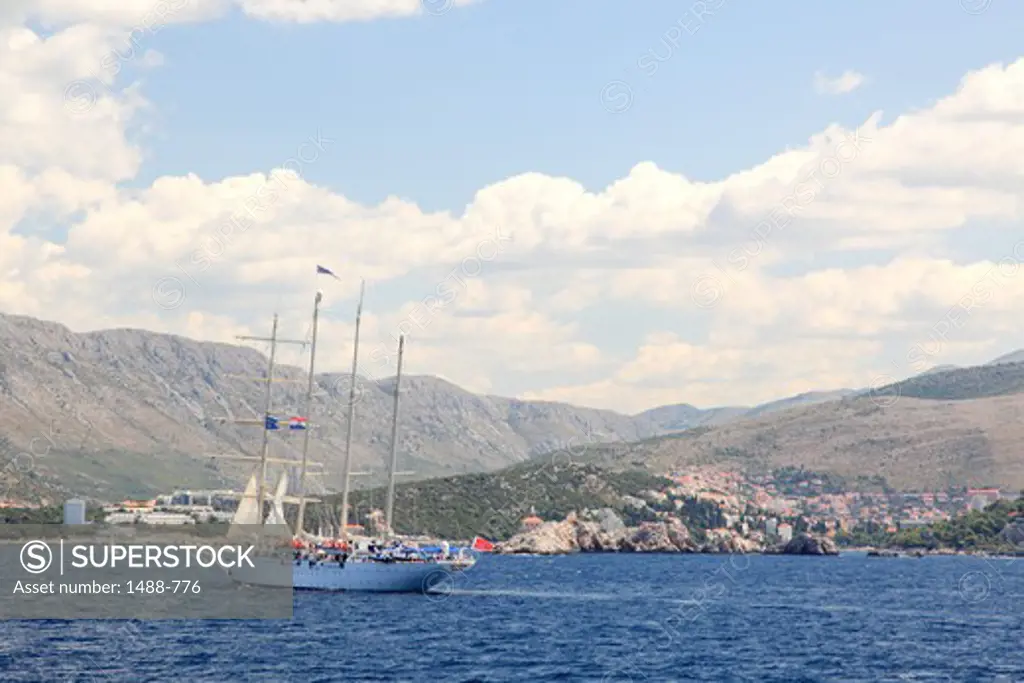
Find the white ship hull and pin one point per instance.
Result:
(366, 576)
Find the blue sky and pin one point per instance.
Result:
(498, 115)
(433, 108)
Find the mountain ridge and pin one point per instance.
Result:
(957, 428)
(128, 412)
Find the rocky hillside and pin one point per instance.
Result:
(122, 413)
(806, 399)
(128, 412)
(1012, 357)
(914, 443)
(998, 378)
(943, 382)
(675, 418)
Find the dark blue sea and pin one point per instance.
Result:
(588, 618)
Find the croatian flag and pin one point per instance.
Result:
(271, 423)
(297, 423)
(320, 270)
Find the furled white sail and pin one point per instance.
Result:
(248, 507)
(276, 515)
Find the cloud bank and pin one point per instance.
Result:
(857, 255)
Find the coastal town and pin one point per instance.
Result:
(786, 498)
(711, 509)
(776, 504)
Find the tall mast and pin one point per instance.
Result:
(347, 468)
(267, 406)
(389, 510)
(299, 522)
(266, 413)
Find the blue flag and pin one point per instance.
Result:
(271, 423)
(320, 270)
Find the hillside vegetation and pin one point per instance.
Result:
(976, 530)
(493, 504)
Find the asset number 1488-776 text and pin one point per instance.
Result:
(161, 587)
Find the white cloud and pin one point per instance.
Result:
(306, 11)
(846, 82)
(665, 363)
(822, 267)
(139, 16)
(151, 15)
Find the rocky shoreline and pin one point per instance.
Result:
(939, 552)
(602, 531)
(607, 534)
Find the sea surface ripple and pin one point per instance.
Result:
(599, 618)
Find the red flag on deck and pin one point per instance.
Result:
(482, 545)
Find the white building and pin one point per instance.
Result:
(138, 517)
(771, 527)
(121, 518)
(979, 502)
(74, 511)
(202, 510)
(786, 532)
(166, 518)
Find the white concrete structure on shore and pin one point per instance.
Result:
(74, 511)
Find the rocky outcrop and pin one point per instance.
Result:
(591, 538)
(680, 536)
(600, 531)
(806, 544)
(608, 519)
(1013, 533)
(649, 537)
(729, 541)
(550, 538)
(607, 535)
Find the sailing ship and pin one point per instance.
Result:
(303, 561)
